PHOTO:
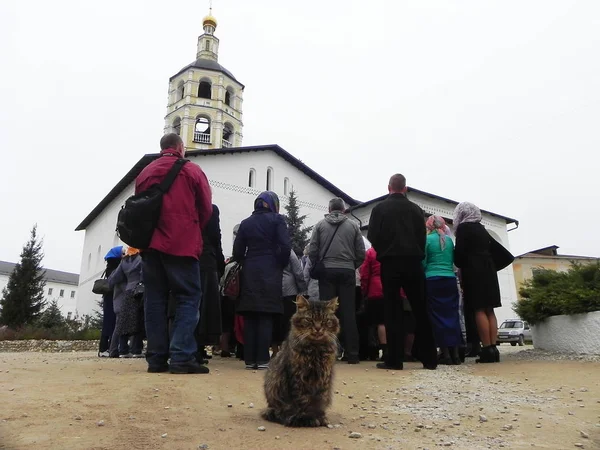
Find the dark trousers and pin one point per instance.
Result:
(108, 322)
(258, 331)
(163, 274)
(409, 275)
(209, 327)
(341, 283)
(136, 344)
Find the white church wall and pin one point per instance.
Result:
(495, 225)
(228, 177)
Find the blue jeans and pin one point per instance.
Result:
(163, 274)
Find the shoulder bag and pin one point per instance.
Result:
(316, 271)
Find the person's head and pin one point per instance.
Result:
(438, 224)
(172, 141)
(466, 212)
(397, 184)
(336, 205)
(267, 200)
(132, 251)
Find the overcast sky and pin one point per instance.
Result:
(493, 102)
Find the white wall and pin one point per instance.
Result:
(579, 333)
(65, 303)
(228, 177)
(495, 225)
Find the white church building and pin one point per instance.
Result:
(205, 109)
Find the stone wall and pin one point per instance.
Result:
(579, 333)
(34, 345)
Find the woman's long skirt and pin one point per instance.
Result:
(443, 304)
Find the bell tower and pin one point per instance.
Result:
(205, 100)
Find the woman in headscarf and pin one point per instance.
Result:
(112, 258)
(442, 290)
(129, 308)
(478, 276)
(263, 247)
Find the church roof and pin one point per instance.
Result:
(147, 159)
(453, 202)
(208, 64)
(51, 276)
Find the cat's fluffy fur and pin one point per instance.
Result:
(298, 384)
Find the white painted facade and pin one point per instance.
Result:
(497, 227)
(229, 177)
(64, 292)
(579, 333)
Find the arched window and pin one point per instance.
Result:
(269, 179)
(202, 130)
(177, 126)
(89, 261)
(286, 186)
(180, 91)
(207, 45)
(252, 178)
(205, 89)
(227, 135)
(229, 96)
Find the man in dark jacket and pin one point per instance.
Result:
(397, 233)
(338, 243)
(212, 266)
(171, 261)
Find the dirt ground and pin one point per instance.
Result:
(79, 401)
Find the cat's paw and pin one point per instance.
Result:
(270, 415)
(306, 421)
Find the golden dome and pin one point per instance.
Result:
(209, 20)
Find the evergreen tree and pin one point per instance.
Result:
(23, 298)
(299, 234)
(52, 317)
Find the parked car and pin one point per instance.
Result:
(515, 331)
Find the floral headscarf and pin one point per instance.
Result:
(466, 212)
(437, 223)
(268, 200)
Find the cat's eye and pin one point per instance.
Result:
(329, 323)
(305, 322)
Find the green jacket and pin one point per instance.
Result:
(438, 262)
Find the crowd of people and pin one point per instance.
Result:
(409, 291)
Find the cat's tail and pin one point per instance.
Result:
(271, 415)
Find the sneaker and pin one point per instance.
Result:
(251, 366)
(191, 366)
(104, 354)
(262, 366)
(128, 355)
(138, 355)
(158, 369)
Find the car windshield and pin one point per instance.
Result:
(513, 324)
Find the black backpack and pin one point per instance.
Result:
(139, 216)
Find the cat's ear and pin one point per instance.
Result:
(301, 302)
(332, 305)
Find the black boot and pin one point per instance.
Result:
(444, 357)
(496, 353)
(454, 356)
(487, 355)
(475, 350)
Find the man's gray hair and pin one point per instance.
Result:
(337, 204)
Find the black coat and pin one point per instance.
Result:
(212, 258)
(472, 255)
(263, 247)
(397, 229)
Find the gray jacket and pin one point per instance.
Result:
(293, 278)
(124, 279)
(347, 250)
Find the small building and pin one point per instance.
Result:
(60, 286)
(545, 258)
(496, 224)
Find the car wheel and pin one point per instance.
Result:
(521, 341)
(514, 344)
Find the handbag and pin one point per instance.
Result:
(316, 271)
(101, 286)
(231, 280)
(501, 257)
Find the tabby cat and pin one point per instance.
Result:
(298, 384)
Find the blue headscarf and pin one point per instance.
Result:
(115, 252)
(269, 198)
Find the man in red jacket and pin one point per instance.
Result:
(170, 264)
